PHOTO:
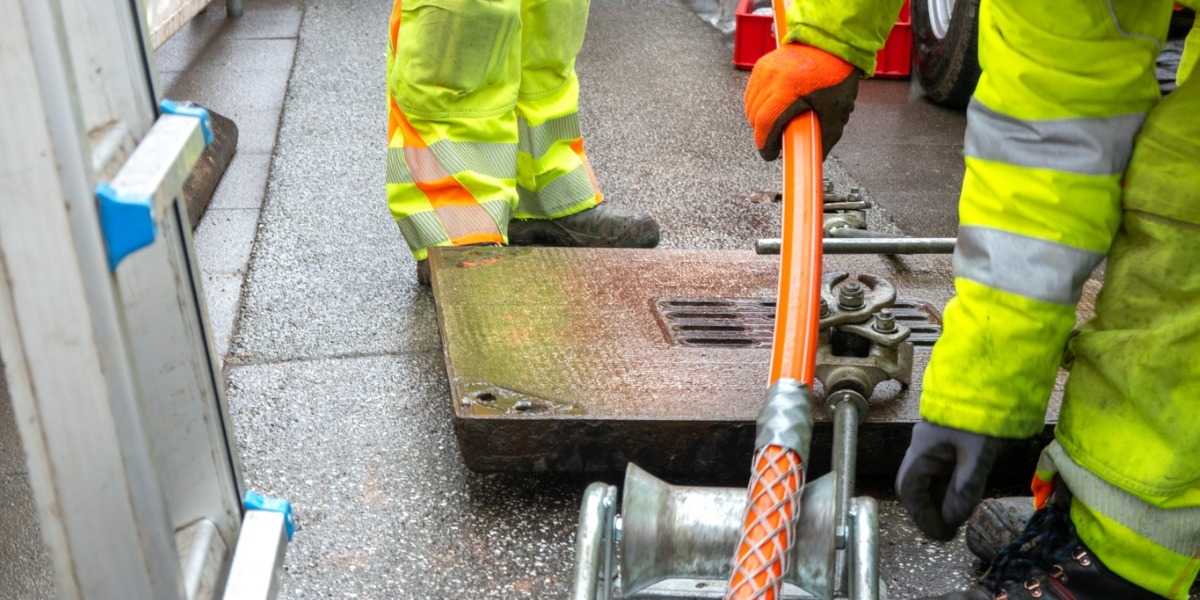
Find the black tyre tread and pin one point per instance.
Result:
(947, 68)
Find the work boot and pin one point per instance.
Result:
(601, 227)
(423, 272)
(996, 523)
(1049, 562)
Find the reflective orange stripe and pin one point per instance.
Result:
(394, 22)
(412, 139)
(477, 238)
(393, 109)
(447, 192)
(1041, 491)
(577, 146)
(394, 117)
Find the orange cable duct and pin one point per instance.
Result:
(778, 475)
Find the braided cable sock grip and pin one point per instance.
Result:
(769, 525)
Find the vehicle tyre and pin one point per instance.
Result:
(945, 53)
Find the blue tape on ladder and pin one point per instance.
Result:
(188, 109)
(127, 222)
(256, 501)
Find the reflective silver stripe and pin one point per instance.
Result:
(1087, 146)
(566, 192)
(498, 160)
(1176, 529)
(397, 168)
(434, 227)
(422, 230)
(415, 165)
(501, 211)
(537, 140)
(466, 219)
(423, 165)
(1026, 266)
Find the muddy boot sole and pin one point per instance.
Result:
(996, 523)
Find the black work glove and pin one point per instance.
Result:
(942, 477)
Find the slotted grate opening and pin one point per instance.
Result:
(921, 318)
(750, 322)
(717, 322)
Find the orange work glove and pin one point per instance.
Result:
(792, 79)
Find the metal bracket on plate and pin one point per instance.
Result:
(860, 344)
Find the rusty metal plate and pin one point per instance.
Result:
(558, 359)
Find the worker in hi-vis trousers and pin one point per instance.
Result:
(1071, 157)
(484, 144)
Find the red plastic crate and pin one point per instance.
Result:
(755, 36)
(895, 60)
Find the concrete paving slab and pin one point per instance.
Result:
(25, 572)
(257, 129)
(244, 182)
(231, 74)
(267, 19)
(167, 79)
(386, 510)
(224, 239)
(243, 79)
(222, 295)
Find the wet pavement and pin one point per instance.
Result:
(336, 377)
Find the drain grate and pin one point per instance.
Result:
(750, 322)
(921, 318)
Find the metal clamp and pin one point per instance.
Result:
(860, 343)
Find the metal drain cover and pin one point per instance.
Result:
(560, 359)
(750, 322)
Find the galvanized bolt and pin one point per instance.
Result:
(851, 296)
(828, 185)
(855, 194)
(885, 321)
(824, 308)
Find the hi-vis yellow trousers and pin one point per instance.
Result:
(482, 118)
